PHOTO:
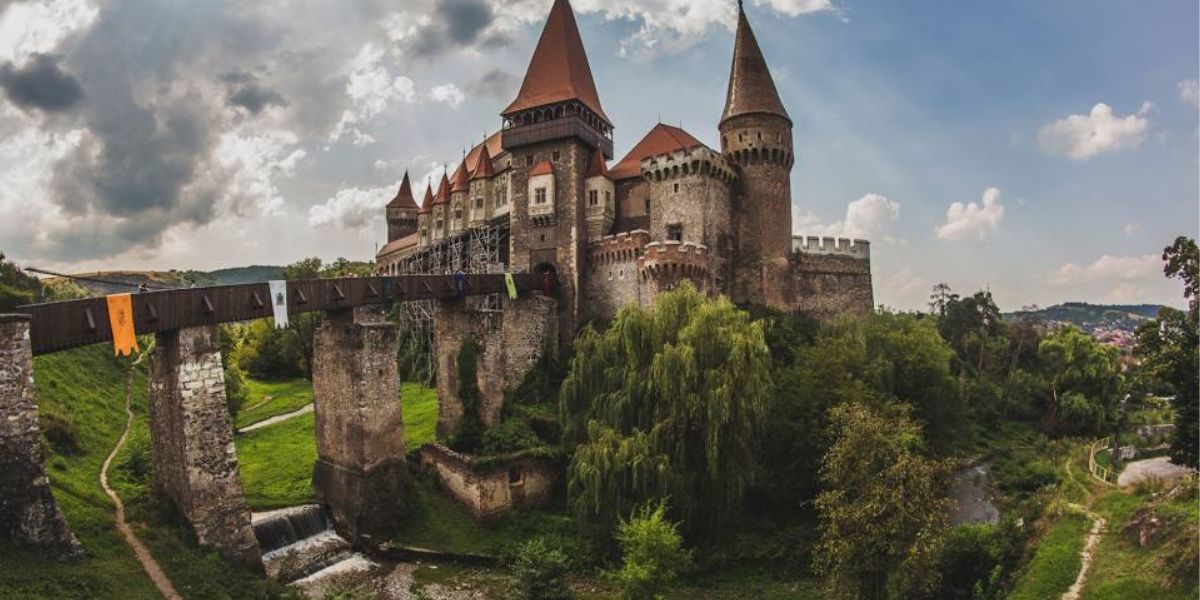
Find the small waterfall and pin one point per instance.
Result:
(299, 545)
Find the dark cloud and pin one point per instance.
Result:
(456, 23)
(244, 90)
(497, 83)
(40, 84)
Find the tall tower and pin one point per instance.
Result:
(756, 135)
(402, 212)
(552, 131)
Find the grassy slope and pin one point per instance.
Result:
(1055, 562)
(86, 387)
(269, 398)
(276, 462)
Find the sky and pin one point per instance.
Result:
(1046, 151)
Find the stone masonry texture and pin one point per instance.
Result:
(360, 474)
(28, 514)
(192, 433)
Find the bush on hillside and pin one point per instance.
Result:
(539, 571)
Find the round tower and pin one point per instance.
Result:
(756, 135)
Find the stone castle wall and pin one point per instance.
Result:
(665, 265)
(828, 283)
(29, 515)
(613, 279)
(492, 491)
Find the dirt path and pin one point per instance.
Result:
(1087, 555)
(148, 563)
(304, 410)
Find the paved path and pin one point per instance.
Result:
(160, 579)
(304, 410)
(1159, 466)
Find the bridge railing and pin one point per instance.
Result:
(61, 325)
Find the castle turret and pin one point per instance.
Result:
(425, 217)
(599, 194)
(440, 216)
(460, 186)
(552, 130)
(756, 135)
(402, 212)
(481, 188)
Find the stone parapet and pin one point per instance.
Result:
(671, 258)
(681, 163)
(29, 515)
(360, 474)
(827, 245)
(622, 247)
(192, 441)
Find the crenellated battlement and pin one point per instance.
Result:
(831, 246)
(622, 247)
(682, 163)
(675, 259)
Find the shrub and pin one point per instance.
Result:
(539, 572)
(59, 431)
(510, 436)
(652, 553)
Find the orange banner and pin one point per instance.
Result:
(120, 318)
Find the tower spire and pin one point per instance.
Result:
(751, 87)
(559, 69)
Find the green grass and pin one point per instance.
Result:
(276, 462)
(267, 399)
(1055, 562)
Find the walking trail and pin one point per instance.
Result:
(148, 563)
(1088, 553)
(304, 410)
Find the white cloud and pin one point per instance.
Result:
(256, 161)
(1189, 90)
(37, 26)
(1084, 136)
(371, 89)
(973, 221)
(866, 218)
(1109, 269)
(1132, 228)
(447, 93)
(904, 288)
(352, 208)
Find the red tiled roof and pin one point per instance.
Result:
(483, 165)
(661, 140)
(427, 203)
(543, 168)
(459, 182)
(751, 87)
(443, 193)
(559, 69)
(597, 168)
(407, 241)
(404, 197)
(493, 145)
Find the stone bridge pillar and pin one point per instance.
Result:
(361, 475)
(510, 342)
(28, 514)
(194, 460)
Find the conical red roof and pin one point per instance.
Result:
(443, 193)
(427, 203)
(483, 165)
(460, 182)
(559, 69)
(661, 140)
(751, 87)
(597, 168)
(404, 198)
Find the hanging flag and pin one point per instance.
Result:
(511, 285)
(279, 302)
(120, 319)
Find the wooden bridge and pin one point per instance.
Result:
(62, 325)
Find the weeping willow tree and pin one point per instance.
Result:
(666, 404)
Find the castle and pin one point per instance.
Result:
(539, 195)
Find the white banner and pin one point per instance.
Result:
(279, 302)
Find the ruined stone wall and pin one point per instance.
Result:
(28, 514)
(612, 281)
(192, 433)
(827, 285)
(489, 492)
(510, 343)
(360, 474)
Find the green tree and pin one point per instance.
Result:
(652, 554)
(539, 572)
(1169, 347)
(1085, 381)
(882, 514)
(667, 401)
(16, 286)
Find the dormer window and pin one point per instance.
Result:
(529, 160)
(479, 202)
(675, 232)
(607, 198)
(437, 224)
(555, 156)
(593, 197)
(539, 195)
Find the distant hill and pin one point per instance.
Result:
(121, 281)
(1111, 323)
